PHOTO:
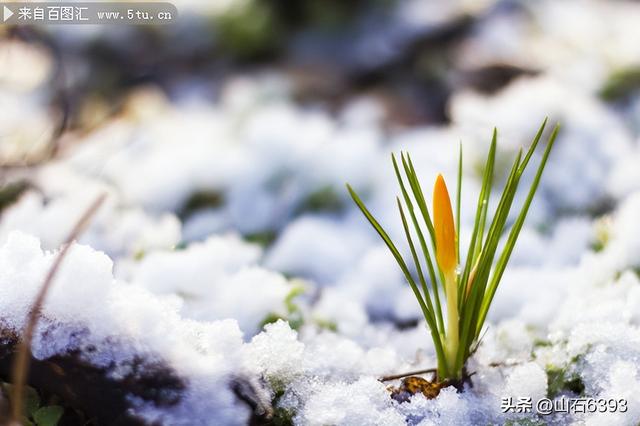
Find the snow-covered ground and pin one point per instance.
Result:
(229, 251)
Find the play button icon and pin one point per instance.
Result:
(7, 13)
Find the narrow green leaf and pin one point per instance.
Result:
(416, 261)
(483, 199)
(385, 237)
(442, 368)
(515, 232)
(423, 246)
(472, 305)
(417, 190)
(533, 146)
(436, 336)
(414, 254)
(424, 211)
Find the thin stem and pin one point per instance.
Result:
(452, 336)
(411, 373)
(21, 362)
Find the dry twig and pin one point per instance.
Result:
(411, 373)
(21, 363)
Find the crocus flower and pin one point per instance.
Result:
(469, 287)
(444, 228)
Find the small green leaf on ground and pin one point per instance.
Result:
(31, 398)
(325, 199)
(264, 239)
(560, 380)
(10, 193)
(620, 84)
(202, 200)
(48, 416)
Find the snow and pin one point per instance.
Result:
(580, 158)
(108, 312)
(527, 379)
(331, 252)
(117, 230)
(364, 402)
(216, 279)
(276, 353)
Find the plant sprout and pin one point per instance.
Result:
(468, 285)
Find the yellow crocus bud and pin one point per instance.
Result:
(444, 228)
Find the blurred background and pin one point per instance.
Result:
(410, 56)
